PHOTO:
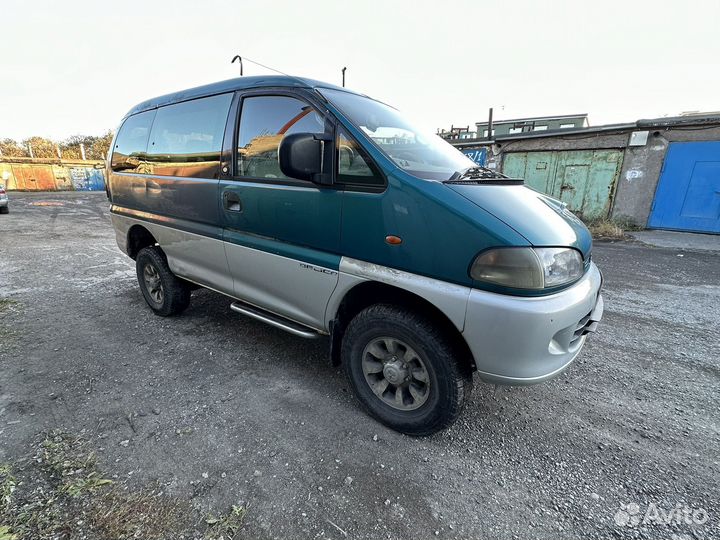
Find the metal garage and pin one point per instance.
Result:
(584, 179)
(659, 173)
(688, 193)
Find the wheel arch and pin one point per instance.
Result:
(367, 293)
(138, 237)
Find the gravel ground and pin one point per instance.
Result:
(223, 410)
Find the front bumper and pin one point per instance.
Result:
(522, 340)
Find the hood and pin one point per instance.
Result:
(541, 220)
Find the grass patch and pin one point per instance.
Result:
(147, 514)
(225, 526)
(6, 333)
(606, 229)
(70, 466)
(57, 492)
(5, 303)
(5, 533)
(610, 229)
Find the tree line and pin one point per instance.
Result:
(96, 147)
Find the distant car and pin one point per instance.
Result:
(4, 205)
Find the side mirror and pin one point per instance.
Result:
(301, 156)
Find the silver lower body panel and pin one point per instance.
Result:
(518, 340)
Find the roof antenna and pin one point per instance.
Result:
(238, 57)
(343, 72)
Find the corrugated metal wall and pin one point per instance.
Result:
(25, 174)
(584, 179)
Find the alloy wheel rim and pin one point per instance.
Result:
(153, 283)
(395, 373)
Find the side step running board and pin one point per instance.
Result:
(275, 320)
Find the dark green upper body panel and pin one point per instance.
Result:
(542, 220)
(441, 230)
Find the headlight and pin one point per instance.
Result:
(560, 265)
(528, 268)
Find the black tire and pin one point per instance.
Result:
(4, 209)
(174, 295)
(450, 383)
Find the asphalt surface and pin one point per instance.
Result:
(225, 410)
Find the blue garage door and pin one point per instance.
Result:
(87, 179)
(688, 193)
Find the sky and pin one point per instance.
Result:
(76, 67)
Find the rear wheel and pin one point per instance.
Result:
(404, 370)
(164, 292)
(4, 209)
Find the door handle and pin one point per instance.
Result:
(231, 201)
(152, 184)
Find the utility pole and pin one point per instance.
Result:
(239, 58)
(343, 73)
(490, 124)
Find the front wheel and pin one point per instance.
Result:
(404, 370)
(164, 292)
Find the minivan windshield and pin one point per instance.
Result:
(417, 151)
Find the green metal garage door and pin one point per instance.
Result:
(584, 179)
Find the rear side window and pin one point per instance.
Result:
(264, 121)
(186, 138)
(131, 143)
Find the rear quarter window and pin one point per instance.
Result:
(131, 143)
(186, 138)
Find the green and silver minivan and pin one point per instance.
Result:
(326, 213)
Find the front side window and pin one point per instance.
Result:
(186, 138)
(420, 152)
(353, 164)
(131, 143)
(264, 121)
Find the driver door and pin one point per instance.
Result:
(282, 235)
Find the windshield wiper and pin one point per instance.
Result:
(481, 175)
